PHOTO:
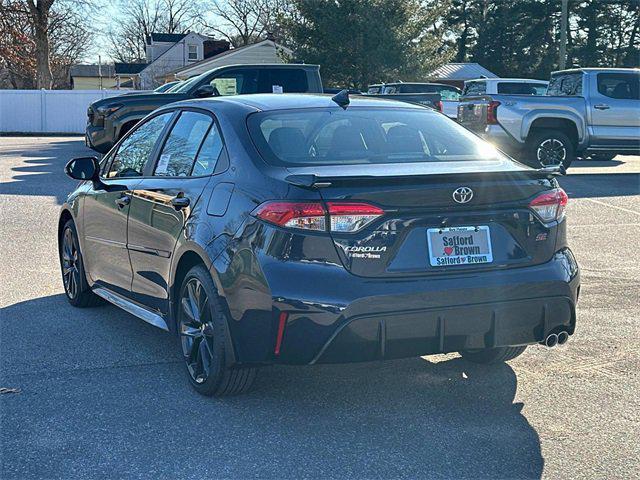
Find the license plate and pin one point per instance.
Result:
(459, 246)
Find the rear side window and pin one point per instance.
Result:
(475, 88)
(619, 85)
(179, 152)
(209, 153)
(374, 90)
(135, 150)
(417, 88)
(566, 84)
(284, 80)
(362, 135)
(521, 88)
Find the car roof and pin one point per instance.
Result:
(506, 79)
(596, 69)
(284, 101)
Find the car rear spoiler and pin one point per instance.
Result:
(316, 181)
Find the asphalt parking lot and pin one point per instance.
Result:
(98, 393)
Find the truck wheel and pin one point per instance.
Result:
(493, 355)
(202, 329)
(550, 148)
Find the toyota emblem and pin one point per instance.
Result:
(462, 195)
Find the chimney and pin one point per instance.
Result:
(214, 47)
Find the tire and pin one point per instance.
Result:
(493, 355)
(76, 287)
(549, 147)
(202, 338)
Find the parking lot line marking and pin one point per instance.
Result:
(613, 206)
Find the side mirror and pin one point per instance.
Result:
(204, 91)
(83, 168)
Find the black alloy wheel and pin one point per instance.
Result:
(75, 283)
(196, 331)
(70, 271)
(204, 338)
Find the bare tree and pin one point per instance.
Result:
(25, 59)
(139, 18)
(243, 21)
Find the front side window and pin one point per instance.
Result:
(183, 144)
(362, 135)
(619, 85)
(135, 151)
(566, 84)
(236, 83)
(193, 52)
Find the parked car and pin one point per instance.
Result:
(586, 112)
(167, 86)
(506, 86)
(266, 229)
(449, 95)
(110, 119)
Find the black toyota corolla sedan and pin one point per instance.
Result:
(304, 229)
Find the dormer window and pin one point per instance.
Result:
(192, 53)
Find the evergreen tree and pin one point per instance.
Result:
(358, 42)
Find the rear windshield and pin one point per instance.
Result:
(522, 88)
(362, 135)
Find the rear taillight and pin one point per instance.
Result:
(346, 217)
(550, 206)
(309, 216)
(351, 217)
(439, 106)
(492, 113)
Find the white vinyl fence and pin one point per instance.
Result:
(47, 111)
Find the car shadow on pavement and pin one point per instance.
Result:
(42, 172)
(104, 394)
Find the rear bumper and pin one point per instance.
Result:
(349, 319)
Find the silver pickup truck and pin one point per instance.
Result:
(586, 112)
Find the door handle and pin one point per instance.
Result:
(123, 201)
(179, 202)
(601, 106)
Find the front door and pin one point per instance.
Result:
(615, 103)
(163, 201)
(106, 211)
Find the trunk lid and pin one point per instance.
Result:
(420, 210)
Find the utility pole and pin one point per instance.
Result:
(563, 35)
(100, 70)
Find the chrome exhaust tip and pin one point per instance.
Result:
(551, 340)
(563, 337)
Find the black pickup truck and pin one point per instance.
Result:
(109, 119)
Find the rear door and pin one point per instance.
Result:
(614, 108)
(105, 212)
(163, 201)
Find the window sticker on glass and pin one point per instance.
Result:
(163, 163)
(277, 89)
(225, 86)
